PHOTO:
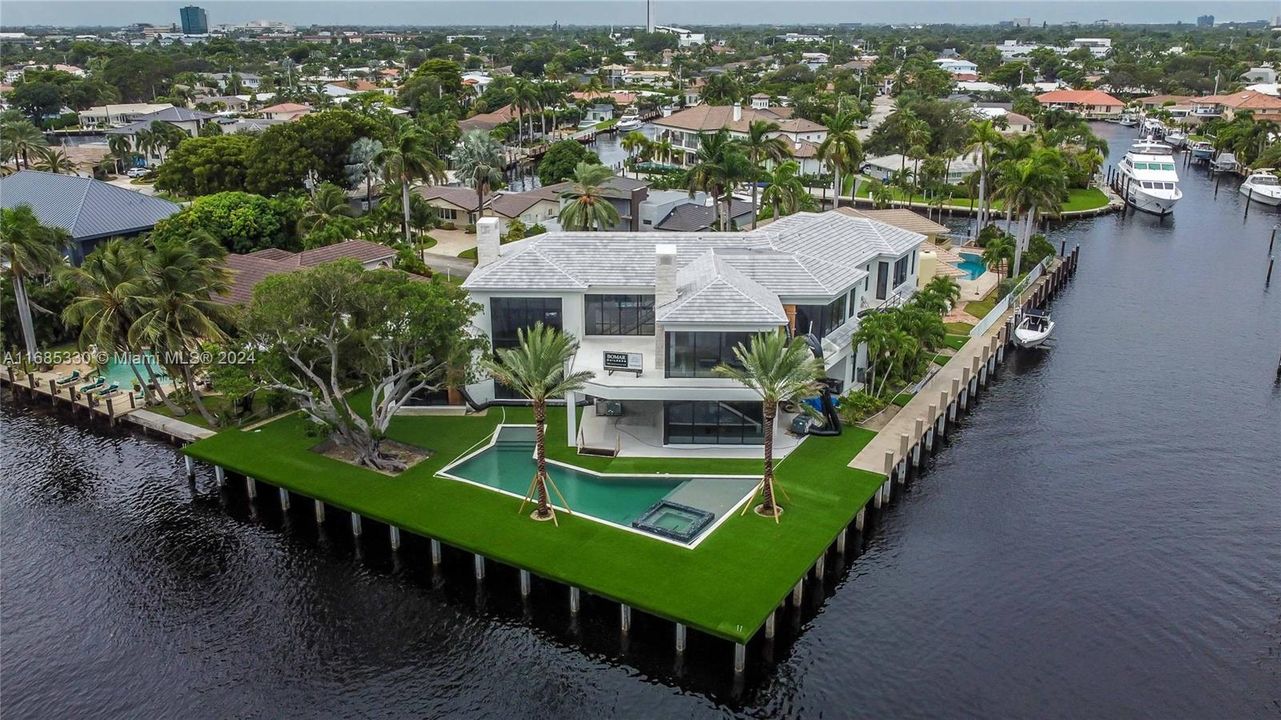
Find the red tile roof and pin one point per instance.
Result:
(1079, 97)
(249, 270)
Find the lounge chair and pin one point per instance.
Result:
(107, 391)
(93, 385)
(68, 379)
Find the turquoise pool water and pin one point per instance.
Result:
(122, 372)
(509, 465)
(972, 265)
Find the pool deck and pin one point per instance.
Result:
(727, 586)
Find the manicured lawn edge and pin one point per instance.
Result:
(726, 587)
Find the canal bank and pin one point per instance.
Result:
(1103, 532)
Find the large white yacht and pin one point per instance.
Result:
(1262, 186)
(1149, 180)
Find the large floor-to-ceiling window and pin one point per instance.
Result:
(509, 315)
(710, 422)
(696, 354)
(618, 314)
(820, 319)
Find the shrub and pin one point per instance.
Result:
(857, 406)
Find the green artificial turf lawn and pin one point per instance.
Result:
(959, 328)
(1078, 198)
(726, 587)
(956, 342)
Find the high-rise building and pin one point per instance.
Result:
(649, 16)
(194, 20)
(1205, 21)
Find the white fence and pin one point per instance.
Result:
(1006, 302)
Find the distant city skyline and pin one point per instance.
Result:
(114, 13)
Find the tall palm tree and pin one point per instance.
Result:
(108, 284)
(55, 161)
(176, 310)
(999, 251)
(586, 206)
(778, 369)
(120, 149)
(983, 137)
(322, 207)
(524, 98)
(662, 149)
(20, 140)
(28, 249)
(536, 369)
(146, 142)
(407, 158)
(762, 145)
(887, 347)
(635, 143)
(1032, 185)
(841, 150)
(785, 193)
(709, 173)
(363, 166)
(478, 162)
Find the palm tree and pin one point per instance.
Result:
(778, 369)
(999, 251)
(662, 149)
(28, 249)
(107, 286)
(363, 166)
(762, 145)
(120, 149)
(709, 173)
(478, 162)
(145, 142)
(176, 310)
(327, 203)
(587, 208)
(887, 347)
(880, 193)
(785, 193)
(55, 161)
(983, 136)
(635, 143)
(841, 150)
(21, 139)
(1030, 185)
(524, 97)
(536, 369)
(410, 158)
(939, 295)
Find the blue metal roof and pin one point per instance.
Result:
(85, 207)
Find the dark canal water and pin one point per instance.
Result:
(1102, 539)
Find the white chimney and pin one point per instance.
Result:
(486, 241)
(738, 112)
(664, 293)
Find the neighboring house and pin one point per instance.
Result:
(531, 208)
(1266, 74)
(1262, 106)
(457, 205)
(1177, 105)
(90, 210)
(189, 121)
(1014, 122)
(958, 66)
(668, 308)
(223, 103)
(814, 60)
(619, 97)
(1089, 104)
(695, 217)
(285, 111)
(684, 38)
(103, 116)
(903, 219)
(488, 121)
(683, 128)
(883, 168)
(248, 125)
(627, 195)
(354, 87)
(248, 81)
(1099, 47)
(250, 269)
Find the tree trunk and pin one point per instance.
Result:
(836, 188)
(147, 389)
(544, 509)
(404, 202)
(1019, 242)
(174, 408)
(24, 315)
(768, 506)
(189, 378)
(978, 226)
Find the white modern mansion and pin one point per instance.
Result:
(654, 313)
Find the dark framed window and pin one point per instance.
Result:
(619, 314)
(882, 280)
(900, 271)
(820, 319)
(695, 354)
(512, 314)
(710, 422)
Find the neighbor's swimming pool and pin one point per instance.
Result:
(508, 466)
(972, 265)
(121, 372)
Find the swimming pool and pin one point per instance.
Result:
(508, 466)
(972, 264)
(120, 370)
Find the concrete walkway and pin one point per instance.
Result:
(451, 242)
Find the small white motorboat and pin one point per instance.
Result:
(1033, 329)
(1176, 138)
(1202, 150)
(1263, 186)
(1225, 162)
(1128, 120)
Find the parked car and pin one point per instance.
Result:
(137, 172)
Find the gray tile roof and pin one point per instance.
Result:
(169, 114)
(85, 207)
(693, 217)
(711, 290)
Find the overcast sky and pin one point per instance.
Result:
(627, 12)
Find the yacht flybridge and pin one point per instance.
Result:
(1149, 180)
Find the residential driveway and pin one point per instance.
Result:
(451, 242)
(882, 106)
(451, 267)
(125, 183)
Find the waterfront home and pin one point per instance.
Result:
(1089, 104)
(903, 219)
(488, 121)
(1179, 106)
(654, 313)
(883, 168)
(1263, 107)
(285, 111)
(91, 211)
(683, 128)
(116, 115)
(249, 269)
